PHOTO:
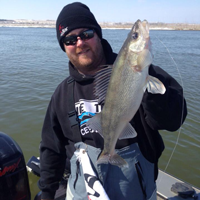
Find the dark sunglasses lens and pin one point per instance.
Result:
(71, 40)
(87, 35)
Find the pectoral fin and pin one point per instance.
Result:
(155, 86)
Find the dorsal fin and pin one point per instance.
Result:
(101, 82)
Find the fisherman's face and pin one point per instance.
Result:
(85, 55)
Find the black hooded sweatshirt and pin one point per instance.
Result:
(156, 112)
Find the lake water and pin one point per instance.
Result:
(32, 65)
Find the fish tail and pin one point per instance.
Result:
(103, 158)
(115, 159)
(118, 161)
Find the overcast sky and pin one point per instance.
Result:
(168, 11)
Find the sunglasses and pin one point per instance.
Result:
(72, 39)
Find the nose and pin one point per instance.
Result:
(79, 41)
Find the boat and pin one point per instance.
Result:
(14, 184)
(172, 188)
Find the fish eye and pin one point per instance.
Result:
(135, 35)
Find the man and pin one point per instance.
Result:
(80, 36)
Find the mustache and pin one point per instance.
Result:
(83, 48)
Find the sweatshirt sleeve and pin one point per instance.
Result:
(52, 154)
(167, 111)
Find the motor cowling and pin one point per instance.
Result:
(14, 183)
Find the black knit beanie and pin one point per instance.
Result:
(73, 16)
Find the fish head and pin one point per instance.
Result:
(140, 45)
(139, 36)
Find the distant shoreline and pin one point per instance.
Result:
(51, 24)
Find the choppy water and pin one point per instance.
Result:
(32, 65)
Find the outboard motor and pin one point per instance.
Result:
(14, 183)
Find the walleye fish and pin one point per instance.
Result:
(121, 88)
